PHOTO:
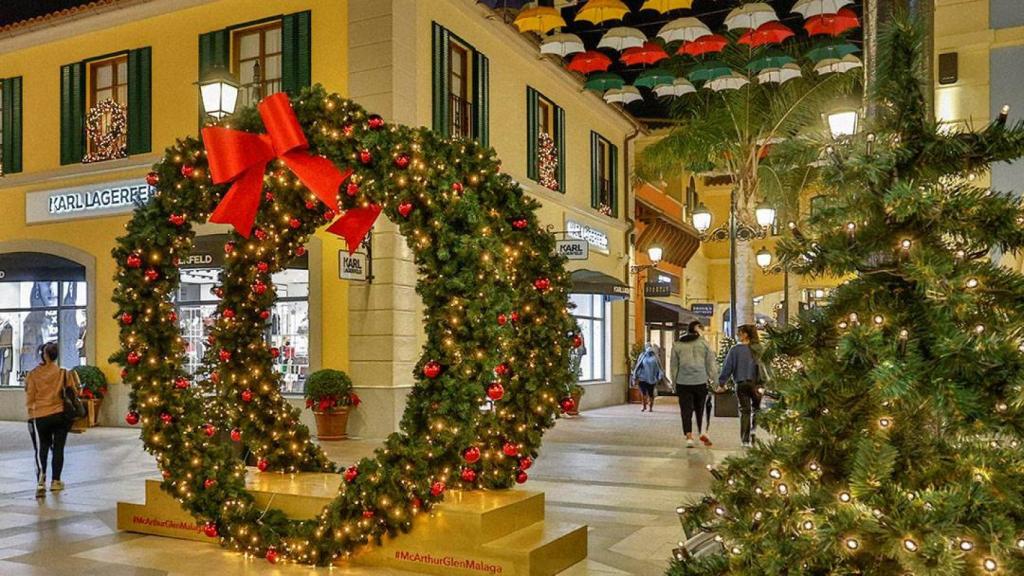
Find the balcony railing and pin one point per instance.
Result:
(460, 122)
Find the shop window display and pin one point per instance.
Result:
(592, 313)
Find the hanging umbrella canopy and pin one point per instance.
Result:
(589, 61)
(597, 11)
(604, 81)
(708, 71)
(623, 95)
(833, 50)
(677, 88)
(732, 81)
(765, 34)
(837, 66)
(562, 45)
(750, 16)
(666, 5)
(649, 53)
(654, 78)
(622, 38)
(540, 19)
(707, 44)
(772, 61)
(779, 75)
(832, 24)
(684, 29)
(504, 4)
(809, 8)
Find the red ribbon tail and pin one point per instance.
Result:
(319, 174)
(355, 224)
(240, 204)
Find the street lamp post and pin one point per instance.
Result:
(218, 91)
(654, 254)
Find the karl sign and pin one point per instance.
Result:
(87, 201)
(352, 266)
(573, 249)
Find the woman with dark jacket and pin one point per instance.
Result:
(693, 366)
(743, 365)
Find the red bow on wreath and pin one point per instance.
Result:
(241, 158)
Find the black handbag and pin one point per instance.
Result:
(73, 407)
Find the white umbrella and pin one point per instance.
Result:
(562, 45)
(678, 88)
(750, 16)
(809, 8)
(623, 95)
(621, 38)
(685, 29)
(733, 81)
(779, 75)
(838, 65)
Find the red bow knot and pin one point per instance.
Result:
(241, 158)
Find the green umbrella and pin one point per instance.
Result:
(835, 50)
(708, 71)
(605, 81)
(774, 61)
(654, 78)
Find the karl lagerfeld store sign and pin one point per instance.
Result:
(91, 201)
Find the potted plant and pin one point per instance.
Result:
(575, 390)
(94, 388)
(576, 393)
(329, 395)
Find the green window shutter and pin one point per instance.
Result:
(532, 169)
(613, 171)
(296, 69)
(12, 125)
(72, 113)
(140, 111)
(440, 68)
(560, 143)
(595, 170)
(481, 99)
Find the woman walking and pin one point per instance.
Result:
(693, 366)
(742, 364)
(647, 373)
(44, 388)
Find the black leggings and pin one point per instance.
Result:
(49, 432)
(691, 402)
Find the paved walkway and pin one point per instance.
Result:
(618, 471)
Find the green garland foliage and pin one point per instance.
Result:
(495, 316)
(897, 449)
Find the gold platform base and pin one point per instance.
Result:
(471, 533)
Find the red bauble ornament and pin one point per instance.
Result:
(166, 418)
(509, 449)
(402, 161)
(260, 234)
(352, 189)
(405, 208)
(229, 247)
(472, 454)
(348, 129)
(209, 429)
(259, 288)
(262, 464)
(501, 369)
(165, 473)
(152, 275)
(229, 314)
(432, 370)
(577, 341)
(502, 319)
(210, 529)
(368, 514)
(294, 223)
(209, 483)
(515, 316)
(133, 261)
(275, 352)
(365, 157)
(246, 395)
(225, 355)
(495, 391)
(124, 373)
(301, 250)
(187, 170)
(525, 463)
(127, 318)
(520, 223)
(521, 478)
(134, 358)
(468, 475)
(310, 205)
(271, 555)
(542, 284)
(265, 314)
(416, 503)
(350, 474)
(172, 316)
(236, 435)
(375, 122)
(263, 267)
(152, 178)
(176, 219)
(132, 418)
(215, 377)
(437, 488)
(568, 405)
(181, 383)
(456, 186)
(329, 214)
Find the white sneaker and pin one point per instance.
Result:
(41, 487)
(689, 442)
(746, 444)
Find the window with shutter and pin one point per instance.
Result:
(460, 87)
(10, 125)
(72, 113)
(604, 189)
(257, 59)
(545, 141)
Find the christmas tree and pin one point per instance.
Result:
(896, 445)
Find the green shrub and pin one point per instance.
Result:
(326, 389)
(94, 382)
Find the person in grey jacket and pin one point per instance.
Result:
(742, 365)
(693, 366)
(647, 373)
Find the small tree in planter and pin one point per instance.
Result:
(329, 395)
(575, 390)
(94, 388)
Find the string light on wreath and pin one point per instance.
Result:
(106, 131)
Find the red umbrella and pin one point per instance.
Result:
(767, 33)
(589, 61)
(707, 44)
(649, 53)
(832, 24)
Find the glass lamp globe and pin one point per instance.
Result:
(764, 214)
(219, 92)
(702, 219)
(843, 123)
(764, 258)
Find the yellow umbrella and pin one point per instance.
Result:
(597, 11)
(666, 5)
(541, 20)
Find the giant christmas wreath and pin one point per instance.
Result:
(494, 366)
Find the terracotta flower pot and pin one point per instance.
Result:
(332, 424)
